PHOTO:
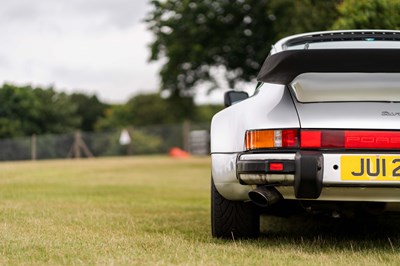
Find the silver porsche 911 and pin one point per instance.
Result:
(321, 133)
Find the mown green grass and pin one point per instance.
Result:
(155, 211)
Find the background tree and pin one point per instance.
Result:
(56, 112)
(89, 109)
(116, 116)
(152, 109)
(204, 113)
(196, 38)
(149, 109)
(18, 111)
(141, 110)
(26, 111)
(294, 17)
(369, 14)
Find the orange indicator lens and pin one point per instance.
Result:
(259, 139)
(266, 139)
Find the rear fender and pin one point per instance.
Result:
(272, 107)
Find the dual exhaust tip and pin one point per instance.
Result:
(265, 196)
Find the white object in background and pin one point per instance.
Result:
(124, 138)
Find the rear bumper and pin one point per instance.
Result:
(303, 172)
(305, 175)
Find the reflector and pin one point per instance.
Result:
(276, 166)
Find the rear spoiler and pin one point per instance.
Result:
(283, 67)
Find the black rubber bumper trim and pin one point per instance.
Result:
(262, 167)
(308, 174)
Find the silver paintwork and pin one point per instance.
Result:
(265, 179)
(332, 174)
(281, 45)
(346, 87)
(228, 185)
(348, 115)
(268, 156)
(273, 107)
(348, 44)
(224, 174)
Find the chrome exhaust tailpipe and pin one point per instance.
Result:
(265, 196)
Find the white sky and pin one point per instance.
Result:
(91, 46)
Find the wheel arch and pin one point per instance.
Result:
(272, 107)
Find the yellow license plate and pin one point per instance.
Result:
(370, 168)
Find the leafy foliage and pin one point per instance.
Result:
(204, 113)
(152, 109)
(90, 109)
(149, 109)
(371, 14)
(195, 38)
(26, 111)
(143, 109)
(55, 113)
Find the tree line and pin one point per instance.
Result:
(196, 38)
(27, 110)
(195, 41)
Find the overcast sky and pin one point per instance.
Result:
(93, 46)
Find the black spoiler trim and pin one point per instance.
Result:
(283, 67)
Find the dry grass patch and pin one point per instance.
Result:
(155, 211)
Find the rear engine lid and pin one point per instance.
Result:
(349, 115)
(348, 100)
(347, 87)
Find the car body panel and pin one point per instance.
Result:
(282, 44)
(367, 101)
(346, 87)
(228, 185)
(349, 115)
(224, 174)
(271, 106)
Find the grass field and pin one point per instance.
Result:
(155, 211)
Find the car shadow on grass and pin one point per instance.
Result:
(367, 232)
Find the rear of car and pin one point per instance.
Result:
(321, 131)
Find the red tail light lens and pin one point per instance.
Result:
(322, 139)
(349, 139)
(311, 139)
(290, 138)
(372, 139)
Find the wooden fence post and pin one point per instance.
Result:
(33, 147)
(77, 146)
(185, 133)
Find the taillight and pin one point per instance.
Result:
(265, 139)
(349, 139)
(322, 139)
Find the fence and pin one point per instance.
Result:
(140, 140)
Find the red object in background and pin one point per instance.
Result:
(178, 153)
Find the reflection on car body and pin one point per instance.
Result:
(323, 128)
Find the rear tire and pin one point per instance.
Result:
(233, 219)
